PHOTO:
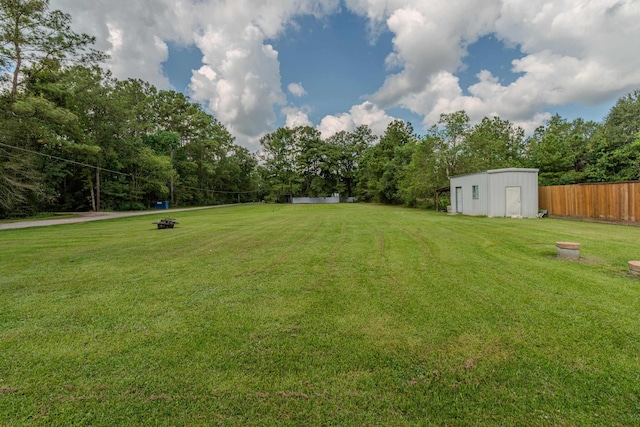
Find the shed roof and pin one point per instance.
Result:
(528, 170)
(492, 171)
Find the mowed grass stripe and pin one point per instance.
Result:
(336, 314)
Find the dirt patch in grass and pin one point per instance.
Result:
(155, 397)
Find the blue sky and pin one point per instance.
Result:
(334, 60)
(335, 64)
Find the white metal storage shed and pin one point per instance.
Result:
(511, 192)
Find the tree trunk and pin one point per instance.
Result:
(16, 72)
(93, 195)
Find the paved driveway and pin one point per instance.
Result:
(95, 216)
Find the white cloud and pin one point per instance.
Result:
(429, 38)
(572, 52)
(239, 80)
(296, 89)
(366, 113)
(531, 124)
(240, 77)
(133, 33)
(330, 125)
(296, 117)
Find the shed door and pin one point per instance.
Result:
(514, 205)
(459, 199)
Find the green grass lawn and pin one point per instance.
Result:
(319, 315)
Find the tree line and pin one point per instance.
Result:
(74, 138)
(401, 167)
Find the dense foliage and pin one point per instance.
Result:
(401, 167)
(72, 137)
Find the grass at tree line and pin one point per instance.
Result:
(319, 315)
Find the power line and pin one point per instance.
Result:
(65, 160)
(118, 172)
(218, 191)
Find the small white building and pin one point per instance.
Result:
(511, 192)
(335, 198)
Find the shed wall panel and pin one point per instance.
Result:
(492, 186)
(471, 206)
(527, 180)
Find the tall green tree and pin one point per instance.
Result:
(175, 113)
(203, 163)
(243, 176)
(19, 179)
(423, 175)
(37, 125)
(451, 132)
(279, 164)
(35, 43)
(164, 143)
(33, 37)
(310, 157)
(104, 114)
(382, 165)
(493, 144)
(614, 149)
(560, 150)
(347, 149)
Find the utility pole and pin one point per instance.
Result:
(98, 189)
(171, 184)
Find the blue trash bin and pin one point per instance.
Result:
(162, 205)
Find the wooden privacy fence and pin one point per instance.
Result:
(619, 201)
